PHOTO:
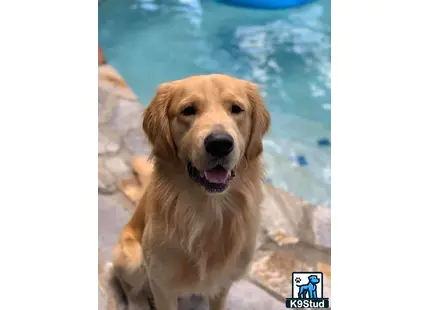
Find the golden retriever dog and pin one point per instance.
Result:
(195, 228)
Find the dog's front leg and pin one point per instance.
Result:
(219, 302)
(163, 298)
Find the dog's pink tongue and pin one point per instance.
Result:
(216, 176)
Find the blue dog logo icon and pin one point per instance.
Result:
(309, 290)
(309, 295)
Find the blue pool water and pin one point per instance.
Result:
(287, 52)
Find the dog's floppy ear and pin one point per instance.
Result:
(156, 124)
(260, 118)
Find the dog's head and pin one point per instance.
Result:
(208, 124)
(313, 279)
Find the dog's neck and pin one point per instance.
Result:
(211, 216)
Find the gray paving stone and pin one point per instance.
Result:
(321, 223)
(103, 302)
(136, 142)
(243, 296)
(126, 115)
(287, 219)
(112, 218)
(103, 96)
(279, 225)
(107, 181)
(107, 103)
(118, 166)
(108, 142)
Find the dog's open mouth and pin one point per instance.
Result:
(214, 180)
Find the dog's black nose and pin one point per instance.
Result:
(219, 144)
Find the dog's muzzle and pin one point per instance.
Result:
(214, 180)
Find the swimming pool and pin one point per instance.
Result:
(287, 52)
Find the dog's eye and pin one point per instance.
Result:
(190, 110)
(235, 109)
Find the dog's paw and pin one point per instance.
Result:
(128, 256)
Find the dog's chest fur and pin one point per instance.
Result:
(211, 247)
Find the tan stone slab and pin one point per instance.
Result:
(134, 186)
(108, 73)
(325, 269)
(126, 116)
(131, 188)
(109, 77)
(321, 226)
(288, 219)
(143, 167)
(273, 272)
(291, 205)
(280, 228)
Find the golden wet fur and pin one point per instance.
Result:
(182, 239)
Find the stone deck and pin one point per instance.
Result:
(295, 235)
